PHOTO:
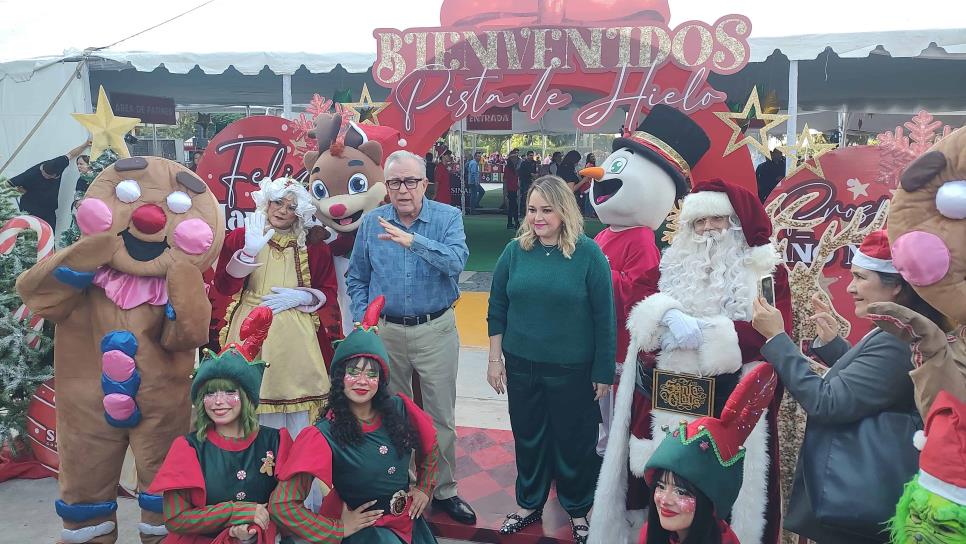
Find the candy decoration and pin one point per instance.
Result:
(45, 246)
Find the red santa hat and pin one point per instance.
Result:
(942, 463)
(390, 138)
(716, 197)
(875, 253)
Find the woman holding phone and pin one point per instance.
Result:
(864, 380)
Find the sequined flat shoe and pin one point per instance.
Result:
(514, 523)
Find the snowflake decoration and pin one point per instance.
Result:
(318, 104)
(301, 141)
(896, 150)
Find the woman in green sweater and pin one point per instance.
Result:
(551, 316)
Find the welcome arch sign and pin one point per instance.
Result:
(626, 62)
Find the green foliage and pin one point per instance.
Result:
(222, 120)
(184, 129)
(22, 368)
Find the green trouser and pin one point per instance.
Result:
(555, 420)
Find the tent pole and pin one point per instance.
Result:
(287, 96)
(462, 163)
(791, 130)
(154, 144)
(843, 127)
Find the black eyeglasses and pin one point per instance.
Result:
(395, 183)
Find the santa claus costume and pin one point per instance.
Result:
(707, 286)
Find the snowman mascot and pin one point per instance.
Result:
(633, 192)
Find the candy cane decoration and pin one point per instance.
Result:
(45, 247)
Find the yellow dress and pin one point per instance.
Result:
(296, 379)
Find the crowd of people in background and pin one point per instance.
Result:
(515, 170)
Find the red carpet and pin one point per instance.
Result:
(486, 472)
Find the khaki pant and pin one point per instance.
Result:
(431, 350)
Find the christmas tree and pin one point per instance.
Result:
(22, 368)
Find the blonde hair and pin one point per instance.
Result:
(555, 191)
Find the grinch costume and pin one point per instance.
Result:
(933, 505)
(210, 484)
(709, 451)
(300, 278)
(376, 469)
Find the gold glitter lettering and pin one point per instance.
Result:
(390, 44)
(487, 55)
(512, 54)
(677, 45)
(439, 50)
(589, 53)
(420, 39)
(540, 49)
(734, 46)
(663, 49)
(623, 45)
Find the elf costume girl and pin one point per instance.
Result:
(361, 450)
(216, 481)
(696, 471)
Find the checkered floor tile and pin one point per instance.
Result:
(486, 473)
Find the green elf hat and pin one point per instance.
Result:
(364, 341)
(238, 362)
(708, 452)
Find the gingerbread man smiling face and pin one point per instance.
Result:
(158, 211)
(927, 226)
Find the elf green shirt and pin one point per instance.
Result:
(555, 310)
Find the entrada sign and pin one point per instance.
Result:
(466, 70)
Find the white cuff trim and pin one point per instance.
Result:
(318, 296)
(155, 530)
(238, 268)
(86, 534)
(943, 489)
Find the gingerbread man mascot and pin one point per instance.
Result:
(130, 307)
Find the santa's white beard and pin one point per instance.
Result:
(708, 273)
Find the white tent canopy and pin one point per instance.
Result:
(927, 44)
(243, 54)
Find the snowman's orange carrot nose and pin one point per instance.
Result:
(594, 172)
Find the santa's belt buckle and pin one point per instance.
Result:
(397, 503)
(682, 393)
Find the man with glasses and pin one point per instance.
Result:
(412, 251)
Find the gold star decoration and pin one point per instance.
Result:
(365, 110)
(806, 149)
(107, 130)
(739, 121)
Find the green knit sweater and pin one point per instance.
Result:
(555, 310)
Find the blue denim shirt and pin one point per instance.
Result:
(474, 170)
(415, 281)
